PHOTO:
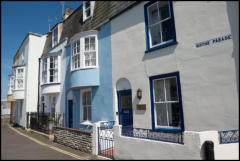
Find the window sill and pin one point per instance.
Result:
(50, 83)
(85, 68)
(173, 42)
(168, 130)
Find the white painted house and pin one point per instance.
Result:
(174, 80)
(25, 71)
(52, 73)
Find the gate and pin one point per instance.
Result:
(106, 139)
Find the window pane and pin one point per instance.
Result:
(92, 47)
(92, 39)
(84, 113)
(174, 114)
(89, 113)
(88, 98)
(159, 90)
(88, 12)
(171, 89)
(87, 4)
(163, 10)
(167, 30)
(153, 14)
(161, 114)
(155, 34)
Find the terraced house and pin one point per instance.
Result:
(137, 80)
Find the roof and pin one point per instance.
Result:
(104, 11)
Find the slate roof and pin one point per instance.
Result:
(104, 11)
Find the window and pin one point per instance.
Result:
(87, 104)
(20, 78)
(166, 102)
(44, 70)
(76, 55)
(90, 51)
(85, 55)
(88, 9)
(50, 69)
(53, 69)
(159, 24)
(55, 36)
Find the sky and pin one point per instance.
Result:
(19, 18)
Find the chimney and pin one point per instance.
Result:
(66, 14)
(71, 11)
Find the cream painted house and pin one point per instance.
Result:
(174, 80)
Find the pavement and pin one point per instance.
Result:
(19, 144)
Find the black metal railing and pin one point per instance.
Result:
(152, 135)
(106, 139)
(44, 122)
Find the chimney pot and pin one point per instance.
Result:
(67, 8)
(71, 11)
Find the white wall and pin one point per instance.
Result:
(207, 74)
(35, 50)
(135, 148)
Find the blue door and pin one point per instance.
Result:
(125, 107)
(70, 120)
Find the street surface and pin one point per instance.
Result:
(17, 147)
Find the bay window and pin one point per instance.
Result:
(166, 102)
(159, 24)
(19, 79)
(53, 69)
(84, 52)
(44, 70)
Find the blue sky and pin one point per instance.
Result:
(17, 19)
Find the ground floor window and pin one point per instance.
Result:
(166, 102)
(86, 104)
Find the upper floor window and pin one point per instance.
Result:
(19, 78)
(88, 9)
(159, 24)
(166, 102)
(85, 55)
(53, 70)
(50, 69)
(44, 70)
(55, 36)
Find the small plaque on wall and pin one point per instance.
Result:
(141, 107)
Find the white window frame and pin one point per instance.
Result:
(53, 36)
(81, 105)
(91, 7)
(17, 78)
(56, 69)
(82, 52)
(160, 21)
(164, 102)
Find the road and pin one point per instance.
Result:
(14, 146)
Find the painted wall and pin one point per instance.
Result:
(99, 80)
(135, 148)
(209, 91)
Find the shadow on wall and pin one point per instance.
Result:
(233, 17)
(159, 53)
(132, 19)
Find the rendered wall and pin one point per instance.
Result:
(207, 74)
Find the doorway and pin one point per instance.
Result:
(70, 114)
(125, 107)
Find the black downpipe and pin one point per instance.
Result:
(38, 105)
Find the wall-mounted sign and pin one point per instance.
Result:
(213, 41)
(141, 107)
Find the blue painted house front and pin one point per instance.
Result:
(97, 80)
